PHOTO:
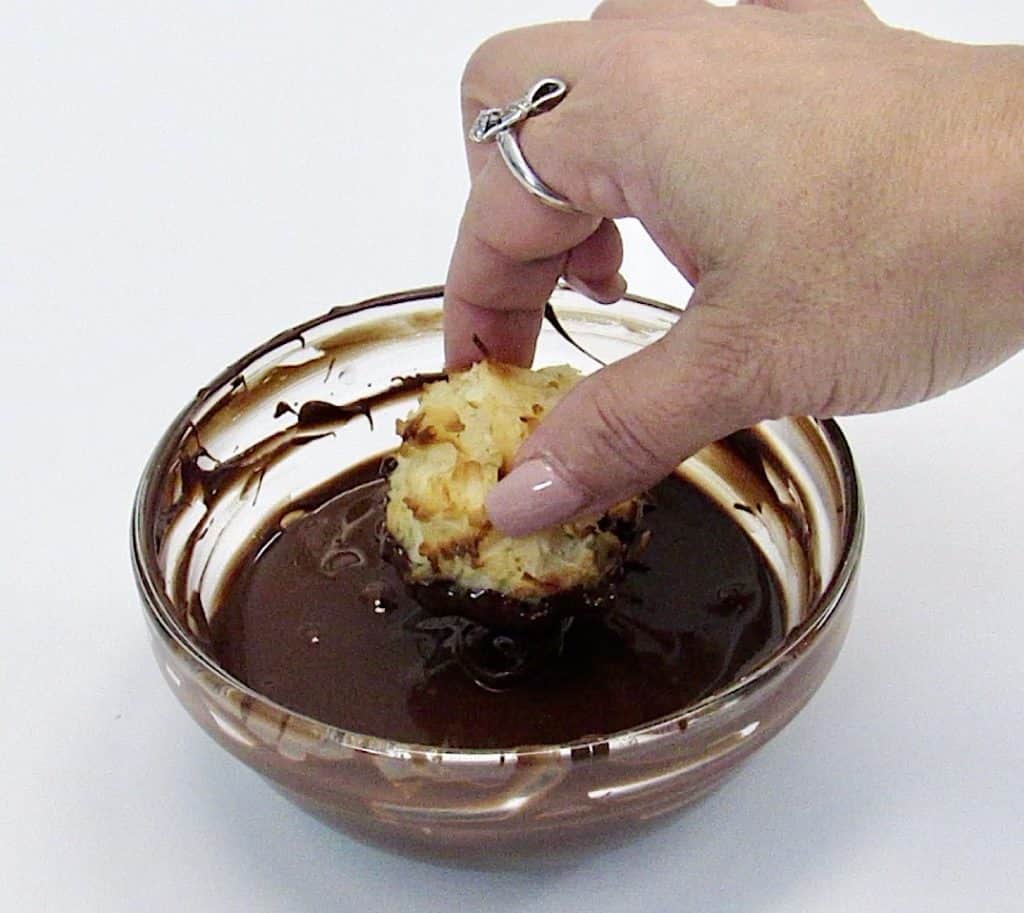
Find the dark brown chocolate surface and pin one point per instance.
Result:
(317, 620)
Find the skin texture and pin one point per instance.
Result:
(847, 200)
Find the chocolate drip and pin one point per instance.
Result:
(552, 318)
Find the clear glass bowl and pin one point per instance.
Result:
(238, 439)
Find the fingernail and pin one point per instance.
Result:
(607, 292)
(531, 497)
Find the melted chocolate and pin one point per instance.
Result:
(317, 619)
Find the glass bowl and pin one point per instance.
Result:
(232, 459)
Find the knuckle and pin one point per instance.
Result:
(476, 72)
(733, 374)
(630, 67)
(767, 360)
(578, 174)
(626, 441)
(739, 359)
(613, 9)
(480, 73)
(625, 60)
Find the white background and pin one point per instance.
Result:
(178, 181)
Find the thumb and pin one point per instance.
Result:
(630, 424)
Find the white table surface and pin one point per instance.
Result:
(178, 181)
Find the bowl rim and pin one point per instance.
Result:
(160, 611)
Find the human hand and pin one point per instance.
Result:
(847, 200)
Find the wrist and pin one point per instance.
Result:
(972, 202)
(988, 167)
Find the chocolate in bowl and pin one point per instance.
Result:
(315, 616)
(251, 447)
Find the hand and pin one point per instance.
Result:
(846, 199)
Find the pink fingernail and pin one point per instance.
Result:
(532, 497)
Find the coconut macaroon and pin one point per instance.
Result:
(455, 446)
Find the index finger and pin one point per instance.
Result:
(508, 255)
(511, 248)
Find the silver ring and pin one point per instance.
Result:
(499, 125)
